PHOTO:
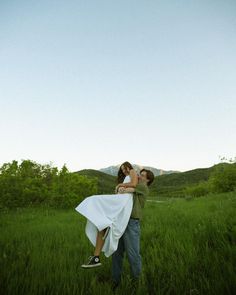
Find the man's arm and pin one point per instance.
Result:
(142, 189)
(123, 190)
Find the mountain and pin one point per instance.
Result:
(113, 170)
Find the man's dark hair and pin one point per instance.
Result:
(150, 176)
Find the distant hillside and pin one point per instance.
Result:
(106, 183)
(113, 170)
(167, 185)
(173, 185)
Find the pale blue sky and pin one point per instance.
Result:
(95, 83)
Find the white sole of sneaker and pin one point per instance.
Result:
(90, 266)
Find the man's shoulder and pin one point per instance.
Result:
(142, 188)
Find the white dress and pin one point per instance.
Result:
(104, 211)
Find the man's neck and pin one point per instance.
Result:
(142, 182)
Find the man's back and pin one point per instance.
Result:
(139, 199)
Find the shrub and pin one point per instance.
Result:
(31, 184)
(223, 179)
(198, 190)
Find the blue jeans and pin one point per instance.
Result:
(129, 242)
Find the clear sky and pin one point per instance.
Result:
(95, 83)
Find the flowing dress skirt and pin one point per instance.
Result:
(104, 211)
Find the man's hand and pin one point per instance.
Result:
(116, 189)
(121, 190)
(119, 185)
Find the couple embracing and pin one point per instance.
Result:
(113, 221)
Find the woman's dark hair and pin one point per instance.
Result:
(121, 175)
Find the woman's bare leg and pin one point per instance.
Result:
(99, 242)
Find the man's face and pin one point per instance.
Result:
(143, 177)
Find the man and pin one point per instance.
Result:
(130, 240)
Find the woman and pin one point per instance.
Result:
(108, 215)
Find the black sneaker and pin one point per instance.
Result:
(93, 261)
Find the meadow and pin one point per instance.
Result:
(188, 246)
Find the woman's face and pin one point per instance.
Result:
(125, 170)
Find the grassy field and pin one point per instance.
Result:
(188, 246)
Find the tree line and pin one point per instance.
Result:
(221, 180)
(29, 183)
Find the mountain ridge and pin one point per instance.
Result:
(166, 185)
(113, 170)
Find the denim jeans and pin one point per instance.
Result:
(129, 243)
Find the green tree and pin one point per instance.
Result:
(32, 184)
(223, 179)
(198, 190)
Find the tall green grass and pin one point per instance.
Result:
(187, 247)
